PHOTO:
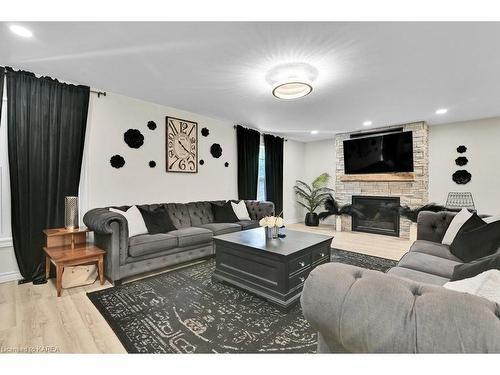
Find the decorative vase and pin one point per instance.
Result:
(271, 233)
(312, 219)
(338, 223)
(71, 212)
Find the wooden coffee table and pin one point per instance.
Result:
(274, 269)
(67, 248)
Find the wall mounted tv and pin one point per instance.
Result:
(386, 153)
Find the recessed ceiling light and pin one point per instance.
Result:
(313, 132)
(21, 31)
(367, 123)
(292, 90)
(441, 111)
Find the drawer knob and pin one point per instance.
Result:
(302, 279)
(321, 255)
(302, 264)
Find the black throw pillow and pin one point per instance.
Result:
(474, 268)
(476, 239)
(157, 220)
(224, 214)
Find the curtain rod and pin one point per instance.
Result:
(236, 126)
(99, 93)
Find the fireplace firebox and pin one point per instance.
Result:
(379, 215)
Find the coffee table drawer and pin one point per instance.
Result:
(317, 254)
(298, 279)
(299, 263)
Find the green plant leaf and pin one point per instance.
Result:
(321, 181)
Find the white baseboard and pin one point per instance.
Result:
(10, 276)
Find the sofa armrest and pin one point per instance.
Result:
(111, 234)
(363, 311)
(431, 226)
(260, 209)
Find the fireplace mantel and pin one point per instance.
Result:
(383, 177)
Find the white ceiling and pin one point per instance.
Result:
(387, 73)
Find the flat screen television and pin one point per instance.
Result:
(385, 153)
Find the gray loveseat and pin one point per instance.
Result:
(405, 310)
(195, 225)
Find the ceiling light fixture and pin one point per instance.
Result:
(21, 31)
(367, 123)
(441, 111)
(314, 132)
(292, 90)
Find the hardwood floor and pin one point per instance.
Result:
(32, 317)
(365, 243)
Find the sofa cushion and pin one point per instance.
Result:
(456, 223)
(157, 220)
(418, 276)
(200, 213)
(433, 248)
(221, 228)
(476, 240)
(151, 243)
(224, 213)
(248, 224)
(179, 214)
(192, 236)
(429, 264)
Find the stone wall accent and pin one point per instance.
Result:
(411, 193)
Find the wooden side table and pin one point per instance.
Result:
(70, 248)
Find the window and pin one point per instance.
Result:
(5, 232)
(261, 180)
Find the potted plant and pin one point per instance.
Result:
(312, 196)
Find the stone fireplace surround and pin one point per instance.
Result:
(412, 192)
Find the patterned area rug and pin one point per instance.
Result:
(182, 311)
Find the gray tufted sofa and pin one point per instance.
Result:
(126, 257)
(406, 310)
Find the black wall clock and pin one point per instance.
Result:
(181, 145)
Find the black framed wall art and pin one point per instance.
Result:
(181, 145)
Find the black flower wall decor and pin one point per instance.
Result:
(462, 177)
(461, 149)
(202, 162)
(117, 161)
(216, 150)
(461, 161)
(133, 138)
(151, 125)
(226, 164)
(152, 164)
(205, 132)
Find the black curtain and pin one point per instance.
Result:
(46, 123)
(274, 171)
(248, 141)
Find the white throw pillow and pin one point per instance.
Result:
(455, 226)
(491, 219)
(486, 285)
(240, 210)
(135, 221)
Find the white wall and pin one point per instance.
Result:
(482, 138)
(293, 170)
(111, 116)
(319, 158)
(136, 182)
